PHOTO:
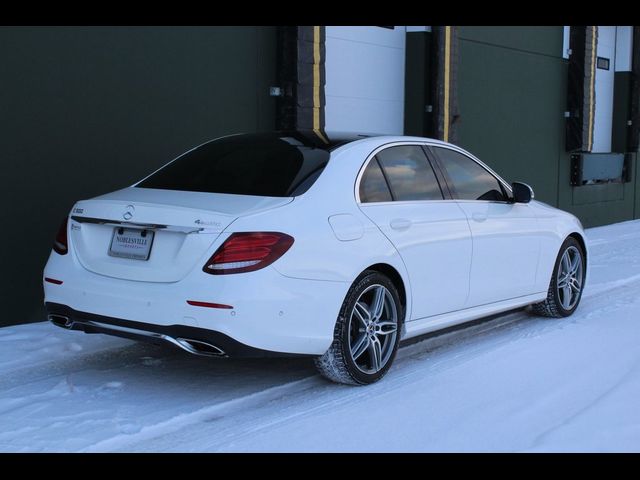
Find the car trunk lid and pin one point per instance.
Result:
(180, 229)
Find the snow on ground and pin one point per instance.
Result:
(514, 383)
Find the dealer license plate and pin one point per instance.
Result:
(131, 243)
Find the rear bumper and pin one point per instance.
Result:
(270, 312)
(198, 341)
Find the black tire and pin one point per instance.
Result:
(337, 364)
(552, 306)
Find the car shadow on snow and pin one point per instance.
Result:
(168, 366)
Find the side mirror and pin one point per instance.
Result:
(522, 193)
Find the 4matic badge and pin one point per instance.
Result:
(211, 223)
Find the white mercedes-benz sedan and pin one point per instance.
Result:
(289, 244)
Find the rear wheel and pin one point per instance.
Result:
(567, 282)
(367, 332)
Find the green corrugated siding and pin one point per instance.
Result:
(512, 91)
(417, 84)
(621, 111)
(540, 40)
(86, 110)
(512, 105)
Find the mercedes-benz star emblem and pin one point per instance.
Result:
(128, 213)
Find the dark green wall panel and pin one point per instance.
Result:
(417, 86)
(621, 111)
(512, 105)
(603, 204)
(540, 40)
(512, 90)
(87, 110)
(589, 194)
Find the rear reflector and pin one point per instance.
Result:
(209, 305)
(53, 280)
(60, 244)
(248, 251)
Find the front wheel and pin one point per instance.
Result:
(366, 334)
(567, 282)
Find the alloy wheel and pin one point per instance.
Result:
(373, 327)
(570, 277)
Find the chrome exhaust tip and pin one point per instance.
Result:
(61, 321)
(198, 347)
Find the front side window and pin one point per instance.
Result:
(469, 180)
(254, 164)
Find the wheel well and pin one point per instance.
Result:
(395, 277)
(580, 240)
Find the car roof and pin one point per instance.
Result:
(376, 140)
(322, 139)
(331, 140)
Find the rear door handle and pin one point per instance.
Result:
(479, 217)
(400, 224)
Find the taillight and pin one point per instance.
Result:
(60, 245)
(248, 251)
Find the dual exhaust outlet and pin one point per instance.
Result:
(195, 347)
(61, 321)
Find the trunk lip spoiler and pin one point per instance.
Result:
(150, 226)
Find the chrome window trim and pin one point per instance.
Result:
(366, 164)
(424, 144)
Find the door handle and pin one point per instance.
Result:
(400, 224)
(479, 217)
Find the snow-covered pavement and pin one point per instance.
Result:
(514, 383)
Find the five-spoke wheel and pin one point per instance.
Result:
(367, 332)
(569, 277)
(373, 326)
(567, 282)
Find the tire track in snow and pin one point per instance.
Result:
(596, 242)
(539, 440)
(410, 362)
(124, 355)
(204, 414)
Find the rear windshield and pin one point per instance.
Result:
(257, 164)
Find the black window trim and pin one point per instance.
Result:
(446, 196)
(506, 189)
(360, 176)
(442, 180)
(386, 180)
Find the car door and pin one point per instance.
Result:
(506, 236)
(399, 191)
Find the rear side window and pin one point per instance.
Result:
(257, 164)
(469, 179)
(409, 173)
(373, 186)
